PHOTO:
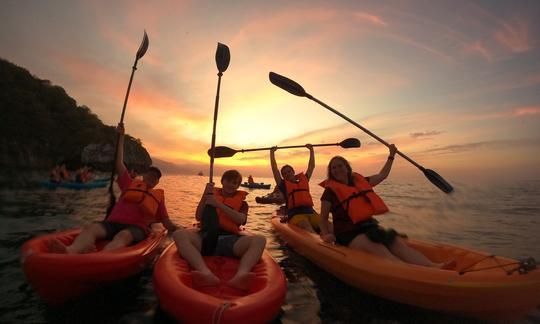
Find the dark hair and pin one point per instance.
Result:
(153, 169)
(347, 165)
(231, 175)
(286, 166)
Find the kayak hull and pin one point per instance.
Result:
(221, 304)
(490, 294)
(58, 278)
(255, 185)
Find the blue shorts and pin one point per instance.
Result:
(112, 229)
(225, 245)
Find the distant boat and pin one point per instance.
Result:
(200, 173)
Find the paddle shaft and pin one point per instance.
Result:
(364, 129)
(284, 147)
(111, 192)
(213, 147)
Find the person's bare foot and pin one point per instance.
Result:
(201, 279)
(243, 281)
(55, 246)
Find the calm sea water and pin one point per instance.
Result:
(503, 220)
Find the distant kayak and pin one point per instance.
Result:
(100, 183)
(271, 198)
(58, 278)
(220, 304)
(256, 185)
(481, 286)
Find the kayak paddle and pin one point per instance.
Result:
(209, 219)
(224, 151)
(297, 90)
(140, 53)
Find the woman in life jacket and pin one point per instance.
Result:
(295, 189)
(139, 206)
(353, 203)
(232, 210)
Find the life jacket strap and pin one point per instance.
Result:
(143, 191)
(362, 194)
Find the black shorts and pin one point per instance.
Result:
(373, 231)
(112, 229)
(225, 244)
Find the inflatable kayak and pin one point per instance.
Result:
(221, 304)
(481, 286)
(255, 185)
(272, 198)
(58, 278)
(75, 185)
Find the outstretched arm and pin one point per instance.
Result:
(311, 163)
(385, 171)
(275, 170)
(120, 166)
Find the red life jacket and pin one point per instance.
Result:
(360, 202)
(148, 200)
(235, 202)
(298, 192)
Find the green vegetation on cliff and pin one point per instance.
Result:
(42, 125)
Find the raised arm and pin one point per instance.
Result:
(273, 164)
(311, 163)
(120, 166)
(385, 171)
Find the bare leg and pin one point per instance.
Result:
(406, 253)
(189, 246)
(249, 249)
(121, 239)
(84, 242)
(362, 242)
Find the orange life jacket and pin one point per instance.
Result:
(360, 202)
(147, 199)
(235, 202)
(298, 192)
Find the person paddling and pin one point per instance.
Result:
(295, 189)
(232, 210)
(353, 203)
(139, 206)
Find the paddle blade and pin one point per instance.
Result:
(350, 143)
(209, 230)
(143, 47)
(223, 57)
(438, 181)
(287, 84)
(222, 151)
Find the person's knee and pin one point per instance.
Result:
(96, 229)
(124, 236)
(258, 241)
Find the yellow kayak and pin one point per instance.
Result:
(481, 286)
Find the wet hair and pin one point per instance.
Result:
(347, 165)
(153, 169)
(285, 166)
(230, 175)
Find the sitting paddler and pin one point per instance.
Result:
(295, 190)
(138, 207)
(350, 198)
(232, 211)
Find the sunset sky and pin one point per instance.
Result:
(454, 84)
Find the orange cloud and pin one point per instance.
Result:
(364, 16)
(526, 111)
(514, 35)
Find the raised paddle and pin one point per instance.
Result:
(209, 219)
(297, 90)
(140, 53)
(224, 151)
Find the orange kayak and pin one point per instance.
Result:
(481, 286)
(221, 304)
(58, 278)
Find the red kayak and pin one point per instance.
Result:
(221, 304)
(58, 278)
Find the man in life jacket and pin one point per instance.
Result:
(138, 207)
(350, 198)
(232, 211)
(295, 190)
